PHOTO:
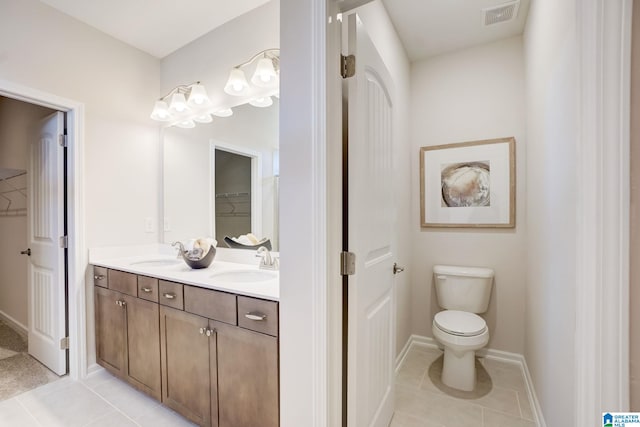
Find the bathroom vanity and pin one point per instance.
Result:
(205, 351)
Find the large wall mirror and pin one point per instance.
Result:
(221, 178)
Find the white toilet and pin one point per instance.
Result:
(462, 292)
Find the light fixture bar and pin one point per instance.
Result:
(257, 55)
(185, 105)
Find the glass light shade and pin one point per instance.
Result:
(203, 118)
(160, 111)
(237, 83)
(265, 75)
(227, 112)
(262, 102)
(198, 96)
(178, 103)
(186, 124)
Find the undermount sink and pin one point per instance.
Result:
(244, 276)
(157, 262)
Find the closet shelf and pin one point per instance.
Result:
(13, 212)
(6, 173)
(8, 193)
(228, 195)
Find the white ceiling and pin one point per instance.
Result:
(426, 27)
(161, 29)
(432, 27)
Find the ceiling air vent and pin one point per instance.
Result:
(501, 13)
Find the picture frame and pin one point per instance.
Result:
(469, 184)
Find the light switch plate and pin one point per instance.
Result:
(148, 225)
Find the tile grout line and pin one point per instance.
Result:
(110, 404)
(29, 412)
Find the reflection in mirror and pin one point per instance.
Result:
(221, 179)
(233, 194)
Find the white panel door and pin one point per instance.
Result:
(371, 221)
(45, 227)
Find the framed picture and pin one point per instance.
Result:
(468, 184)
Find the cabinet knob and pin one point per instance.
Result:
(98, 277)
(206, 331)
(147, 290)
(121, 303)
(169, 295)
(256, 316)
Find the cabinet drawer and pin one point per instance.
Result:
(210, 304)
(100, 277)
(171, 294)
(148, 288)
(126, 283)
(258, 315)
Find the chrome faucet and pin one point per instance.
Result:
(268, 262)
(180, 247)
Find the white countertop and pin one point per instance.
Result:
(129, 259)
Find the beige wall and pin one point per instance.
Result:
(473, 94)
(635, 214)
(17, 119)
(552, 143)
(43, 49)
(384, 37)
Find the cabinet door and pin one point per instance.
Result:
(143, 344)
(247, 377)
(110, 331)
(185, 364)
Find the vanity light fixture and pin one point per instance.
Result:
(262, 102)
(225, 112)
(184, 105)
(266, 74)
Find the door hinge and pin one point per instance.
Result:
(64, 242)
(347, 263)
(64, 343)
(347, 66)
(62, 140)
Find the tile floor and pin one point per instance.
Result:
(501, 400)
(99, 401)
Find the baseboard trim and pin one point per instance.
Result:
(93, 369)
(488, 353)
(14, 324)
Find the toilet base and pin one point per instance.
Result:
(459, 369)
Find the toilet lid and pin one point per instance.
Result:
(460, 323)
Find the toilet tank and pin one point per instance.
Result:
(463, 288)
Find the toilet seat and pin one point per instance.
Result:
(460, 323)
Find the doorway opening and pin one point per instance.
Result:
(32, 198)
(237, 195)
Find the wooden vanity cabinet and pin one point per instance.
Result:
(247, 377)
(110, 331)
(188, 365)
(128, 336)
(143, 346)
(211, 356)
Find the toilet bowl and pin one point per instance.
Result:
(461, 334)
(462, 292)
